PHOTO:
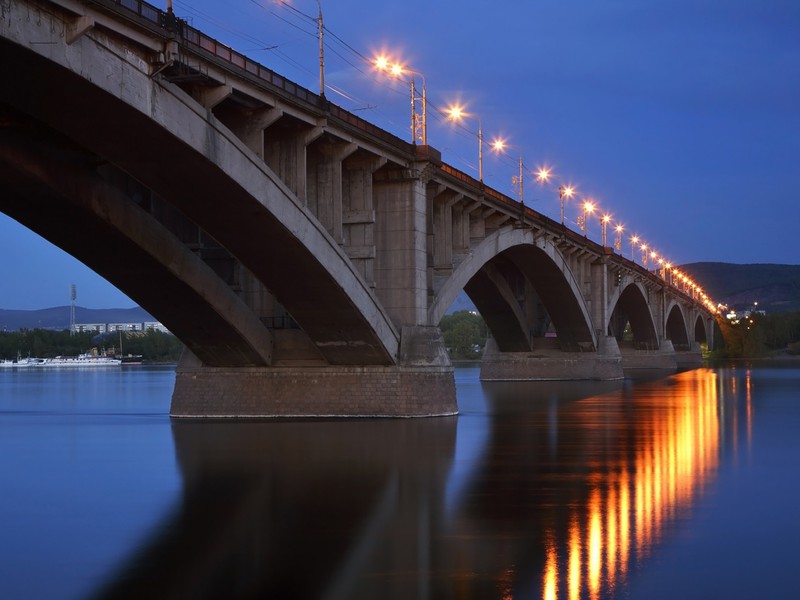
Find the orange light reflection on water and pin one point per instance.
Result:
(677, 441)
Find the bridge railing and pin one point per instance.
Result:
(167, 23)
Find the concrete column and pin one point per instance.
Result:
(358, 211)
(400, 237)
(324, 184)
(285, 153)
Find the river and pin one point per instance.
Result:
(678, 487)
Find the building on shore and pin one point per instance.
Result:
(121, 327)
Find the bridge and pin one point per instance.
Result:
(303, 255)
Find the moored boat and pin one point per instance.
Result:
(82, 360)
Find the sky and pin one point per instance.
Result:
(680, 118)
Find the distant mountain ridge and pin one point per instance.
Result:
(58, 317)
(775, 287)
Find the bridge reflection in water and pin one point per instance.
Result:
(536, 490)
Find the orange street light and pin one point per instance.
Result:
(634, 241)
(456, 113)
(603, 224)
(618, 239)
(419, 121)
(588, 208)
(564, 191)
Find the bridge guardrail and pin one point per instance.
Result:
(252, 69)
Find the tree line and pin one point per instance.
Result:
(153, 345)
(759, 335)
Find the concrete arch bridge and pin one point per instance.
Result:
(303, 255)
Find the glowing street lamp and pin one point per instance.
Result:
(543, 175)
(618, 239)
(634, 241)
(644, 253)
(588, 208)
(456, 113)
(419, 121)
(603, 224)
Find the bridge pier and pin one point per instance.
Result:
(662, 359)
(422, 385)
(690, 359)
(547, 362)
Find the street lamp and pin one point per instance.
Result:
(634, 241)
(588, 208)
(644, 254)
(564, 191)
(618, 239)
(320, 29)
(456, 113)
(419, 121)
(603, 224)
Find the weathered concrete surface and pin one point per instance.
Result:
(545, 364)
(422, 386)
(662, 359)
(690, 359)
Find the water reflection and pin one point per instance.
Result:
(563, 491)
(644, 467)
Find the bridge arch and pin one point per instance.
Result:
(157, 134)
(539, 262)
(701, 336)
(629, 305)
(676, 327)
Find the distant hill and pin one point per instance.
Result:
(58, 317)
(776, 288)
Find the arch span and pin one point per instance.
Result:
(630, 306)
(161, 137)
(676, 327)
(700, 334)
(539, 262)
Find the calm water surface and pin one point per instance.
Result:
(679, 487)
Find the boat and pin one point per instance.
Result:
(82, 360)
(20, 363)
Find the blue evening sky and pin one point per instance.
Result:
(681, 118)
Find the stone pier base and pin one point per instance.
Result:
(663, 359)
(423, 386)
(690, 359)
(548, 364)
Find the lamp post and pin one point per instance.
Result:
(419, 121)
(618, 239)
(603, 224)
(321, 51)
(564, 191)
(456, 113)
(634, 241)
(588, 208)
(543, 175)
